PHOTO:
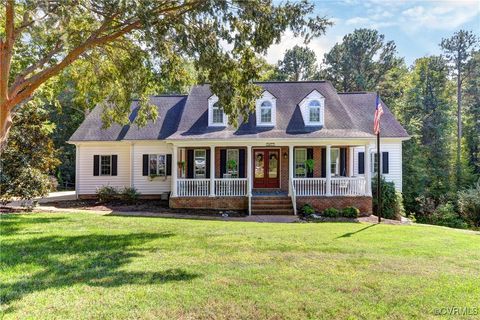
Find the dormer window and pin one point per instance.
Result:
(216, 116)
(312, 108)
(265, 111)
(314, 111)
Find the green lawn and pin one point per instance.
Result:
(88, 266)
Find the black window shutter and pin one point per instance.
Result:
(309, 156)
(343, 162)
(207, 163)
(169, 164)
(145, 165)
(324, 162)
(223, 162)
(96, 165)
(190, 164)
(241, 163)
(114, 164)
(361, 162)
(384, 162)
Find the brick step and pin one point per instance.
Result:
(272, 206)
(270, 198)
(269, 202)
(280, 212)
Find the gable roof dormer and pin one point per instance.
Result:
(312, 108)
(266, 110)
(216, 115)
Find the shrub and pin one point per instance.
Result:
(469, 205)
(390, 201)
(29, 184)
(331, 213)
(130, 195)
(445, 215)
(350, 212)
(107, 193)
(307, 210)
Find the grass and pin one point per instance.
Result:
(87, 266)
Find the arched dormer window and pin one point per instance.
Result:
(313, 109)
(216, 116)
(265, 111)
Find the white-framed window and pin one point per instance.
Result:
(312, 108)
(157, 164)
(106, 165)
(232, 157)
(314, 111)
(300, 159)
(266, 110)
(216, 116)
(335, 161)
(200, 163)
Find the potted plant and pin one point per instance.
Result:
(310, 164)
(232, 166)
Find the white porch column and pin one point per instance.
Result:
(77, 170)
(212, 171)
(351, 150)
(249, 171)
(368, 181)
(174, 171)
(329, 171)
(290, 169)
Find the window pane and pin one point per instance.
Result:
(314, 114)
(232, 161)
(105, 165)
(161, 165)
(217, 116)
(266, 115)
(300, 158)
(335, 161)
(273, 164)
(152, 164)
(259, 165)
(200, 163)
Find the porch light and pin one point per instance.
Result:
(285, 155)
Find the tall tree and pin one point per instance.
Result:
(360, 61)
(298, 63)
(458, 49)
(426, 116)
(39, 39)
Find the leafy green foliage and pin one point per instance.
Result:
(307, 210)
(361, 61)
(29, 157)
(350, 212)
(298, 63)
(390, 206)
(107, 193)
(445, 215)
(130, 195)
(331, 213)
(469, 205)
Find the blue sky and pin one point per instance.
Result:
(417, 27)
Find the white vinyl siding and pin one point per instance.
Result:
(87, 183)
(394, 150)
(144, 184)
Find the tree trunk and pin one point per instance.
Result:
(459, 130)
(5, 125)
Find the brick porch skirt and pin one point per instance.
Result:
(220, 203)
(364, 204)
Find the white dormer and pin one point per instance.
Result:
(313, 109)
(266, 110)
(216, 116)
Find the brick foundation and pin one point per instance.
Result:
(220, 203)
(364, 204)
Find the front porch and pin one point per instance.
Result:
(227, 176)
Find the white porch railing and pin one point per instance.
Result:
(231, 187)
(310, 186)
(193, 187)
(345, 186)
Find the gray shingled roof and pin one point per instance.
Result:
(169, 108)
(186, 117)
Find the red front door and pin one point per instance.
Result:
(267, 168)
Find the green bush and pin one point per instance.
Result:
(130, 195)
(307, 210)
(391, 207)
(29, 184)
(469, 205)
(107, 193)
(350, 212)
(331, 213)
(445, 215)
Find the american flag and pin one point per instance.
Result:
(378, 114)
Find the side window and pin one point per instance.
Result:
(200, 161)
(106, 165)
(300, 159)
(335, 161)
(232, 162)
(157, 164)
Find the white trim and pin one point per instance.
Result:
(211, 102)
(305, 108)
(328, 171)
(212, 170)
(266, 97)
(77, 170)
(173, 185)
